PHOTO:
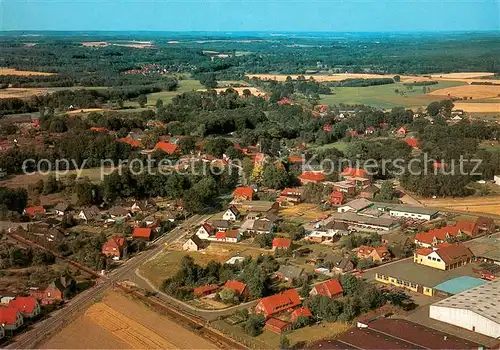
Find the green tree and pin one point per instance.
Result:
(142, 100)
(254, 324)
(284, 342)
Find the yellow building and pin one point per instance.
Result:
(397, 282)
(444, 256)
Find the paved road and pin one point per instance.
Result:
(63, 316)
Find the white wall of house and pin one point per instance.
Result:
(202, 233)
(466, 319)
(229, 215)
(405, 214)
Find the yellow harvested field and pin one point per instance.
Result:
(118, 322)
(95, 44)
(303, 211)
(13, 71)
(21, 92)
(320, 78)
(486, 205)
(254, 91)
(474, 91)
(464, 75)
(486, 107)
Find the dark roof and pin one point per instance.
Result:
(371, 189)
(290, 271)
(364, 338)
(337, 225)
(196, 240)
(118, 211)
(262, 225)
(62, 206)
(220, 223)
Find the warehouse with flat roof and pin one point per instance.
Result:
(476, 309)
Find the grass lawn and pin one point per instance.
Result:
(166, 264)
(340, 145)
(167, 96)
(383, 96)
(490, 146)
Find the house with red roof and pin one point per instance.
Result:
(259, 158)
(243, 193)
(402, 131)
(205, 290)
(412, 142)
(115, 248)
(444, 256)
(277, 303)
(311, 177)
(330, 288)
(377, 254)
(130, 141)
(435, 236)
(239, 288)
(336, 198)
(281, 243)
(144, 233)
(327, 127)
(295, 159)
(98, 129)
(285, 101)
(354, 172)
(205, 231)
(277, 326)
(352, 132)
(10, 318)
(167, 147)
(301, 312)
(370, 130)
(290, 196)
(34, 210)
(230, 236)
(27, 306)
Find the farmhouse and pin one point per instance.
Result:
(221, 225)
(55, 292)
(193, 244)
(205, 290)
(167, 147)
(311, 177)
(475, 309)
(413, 212)
(444, 256)
(347, 187)
(61, 208)
(301, 312)
(231, 214)
(10, 318)
(369, 192)
(355, 205)
(336, 198)
(34, 210)
(330, 288)
(88, 214)
(440, 235)
(277, 303)
(27, 306)
(289, 273)
(290, 196)
(115, 248)
(486, 249)
(344, 265)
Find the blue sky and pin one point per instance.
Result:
(251, 15)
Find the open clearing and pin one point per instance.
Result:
(474, 91)
(118, 322)
(22, 92)
(186, 85)
(302, 212)
(166, 264)
(486, 205)
(85, 110)
(464, 75)
(13, 71)
(483, 107)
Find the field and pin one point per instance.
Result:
(479, 107)
(165, 264)
(22, 92)
(465, 75)
(167, 96)
(486, 205)
(118, 322)
(384, 96)
(471, 91)
(303, 212)
(307, 335)
(12, 71)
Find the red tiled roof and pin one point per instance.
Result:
(454, 253)
(115, 242)
(237, 286)
(301, 311)
(209, 288)
(130, 141)
(356, 172)
(32, 211)
(276, 323)
(209, 228)
(23, 304)
(98, 129)
(329, 288)
(220, 235)
(312, 176)
(424, 251)
(167, 147)
(281, 242)
(142, 232)
(465, 227)
(8, 315)
(295, 159)
(243, 191)
(411, 142)
(279, 302)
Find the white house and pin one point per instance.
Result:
(231, 214)
(10, 318)
(496, 178)
(230, 236)
(88, 214)
(205, 231)
(192, 244)
(406, 211)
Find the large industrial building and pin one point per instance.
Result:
(476, 309)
